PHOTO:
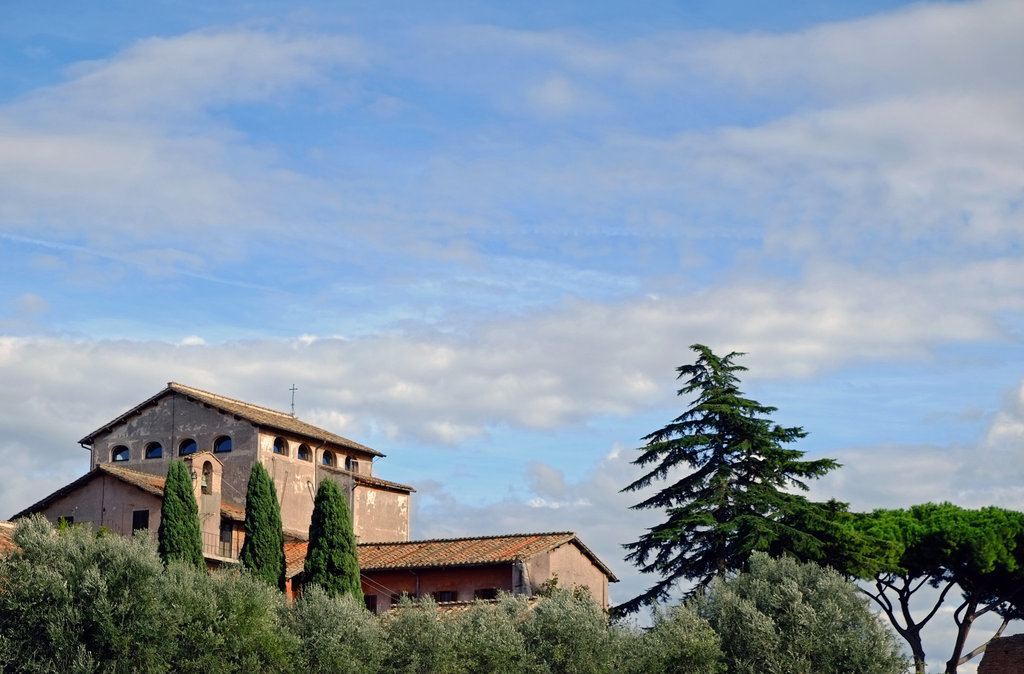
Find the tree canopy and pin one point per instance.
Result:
(332, 560)
(980, 552)
(263, 549)
(179, 535)
(732, 499)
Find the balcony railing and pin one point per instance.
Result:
(214, 546)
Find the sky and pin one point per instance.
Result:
(480, 237)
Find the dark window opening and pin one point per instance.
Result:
(446, 595)
(281, 446)
(370, 601)
(227, 531)
(222, 444)
(304, 453)
(486, 593)
(154, 450)
(327, 458)
(120, 453)
(187, 447)
(207, 478)
(351, 464)
(140, 520)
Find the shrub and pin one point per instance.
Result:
(568, 632)
(783, 616)
(337, 634)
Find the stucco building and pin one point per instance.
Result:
(220, 439)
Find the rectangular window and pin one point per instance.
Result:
(227, 530)
(140, 520)
(446, 595)
(370, 600)
(486, 593)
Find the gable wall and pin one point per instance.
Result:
(105, 501)
(172, 419)
(572, 567)
(380, 516)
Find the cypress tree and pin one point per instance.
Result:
(179, 535)
(263, 549)
(332, 561)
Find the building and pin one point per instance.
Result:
(464, 569)
(221, 438)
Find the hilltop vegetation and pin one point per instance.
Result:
(74, 601)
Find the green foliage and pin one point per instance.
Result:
(732, 499)
(338, 634)
(263, 550)
(568, 632)
(979, 551)
(179, 536)
(792, 618)
(486, 637)
(418, 640)
(332, 560)
(678, 642)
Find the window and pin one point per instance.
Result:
(351, 464)
(140, 520)
(226, 538)
(207, 478)
(154, 450)
(281, 446)
(222, 444)
(486, 593)
(186, 447)
(446, 595)
(304, 453)
(370, 601)
(327, 458)
(120, 453)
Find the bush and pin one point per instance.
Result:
(338, 634)
(679, 641)
(419, 641)
(568, 632)
(786, 617)
(72, 601)
(486, 637)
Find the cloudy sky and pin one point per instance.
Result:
(480, 237)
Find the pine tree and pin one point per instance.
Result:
(332, 560)
(731, 499)
(179, 535)
(263, 549)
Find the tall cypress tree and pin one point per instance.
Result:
(179, 534)
(263, 549)
(332, 560)
(731, 497)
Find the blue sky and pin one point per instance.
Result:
(480, 237)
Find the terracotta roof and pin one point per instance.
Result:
(369, 480)
(262, 416)
(6, 537)
(147, 482)
(437, 553)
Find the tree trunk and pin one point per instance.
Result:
(963, 627)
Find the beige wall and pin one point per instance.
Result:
(106, 501)
(572, 567)
(380, 516)
(172, 419)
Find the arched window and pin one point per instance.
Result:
(207, 478)
(120, 453)
(327, 458)
(154, 450)
(187, 446)
(222, 444)
(351, 464)
(281, 446)
(304, 453)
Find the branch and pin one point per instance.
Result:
(942, 598)
(981, 649)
